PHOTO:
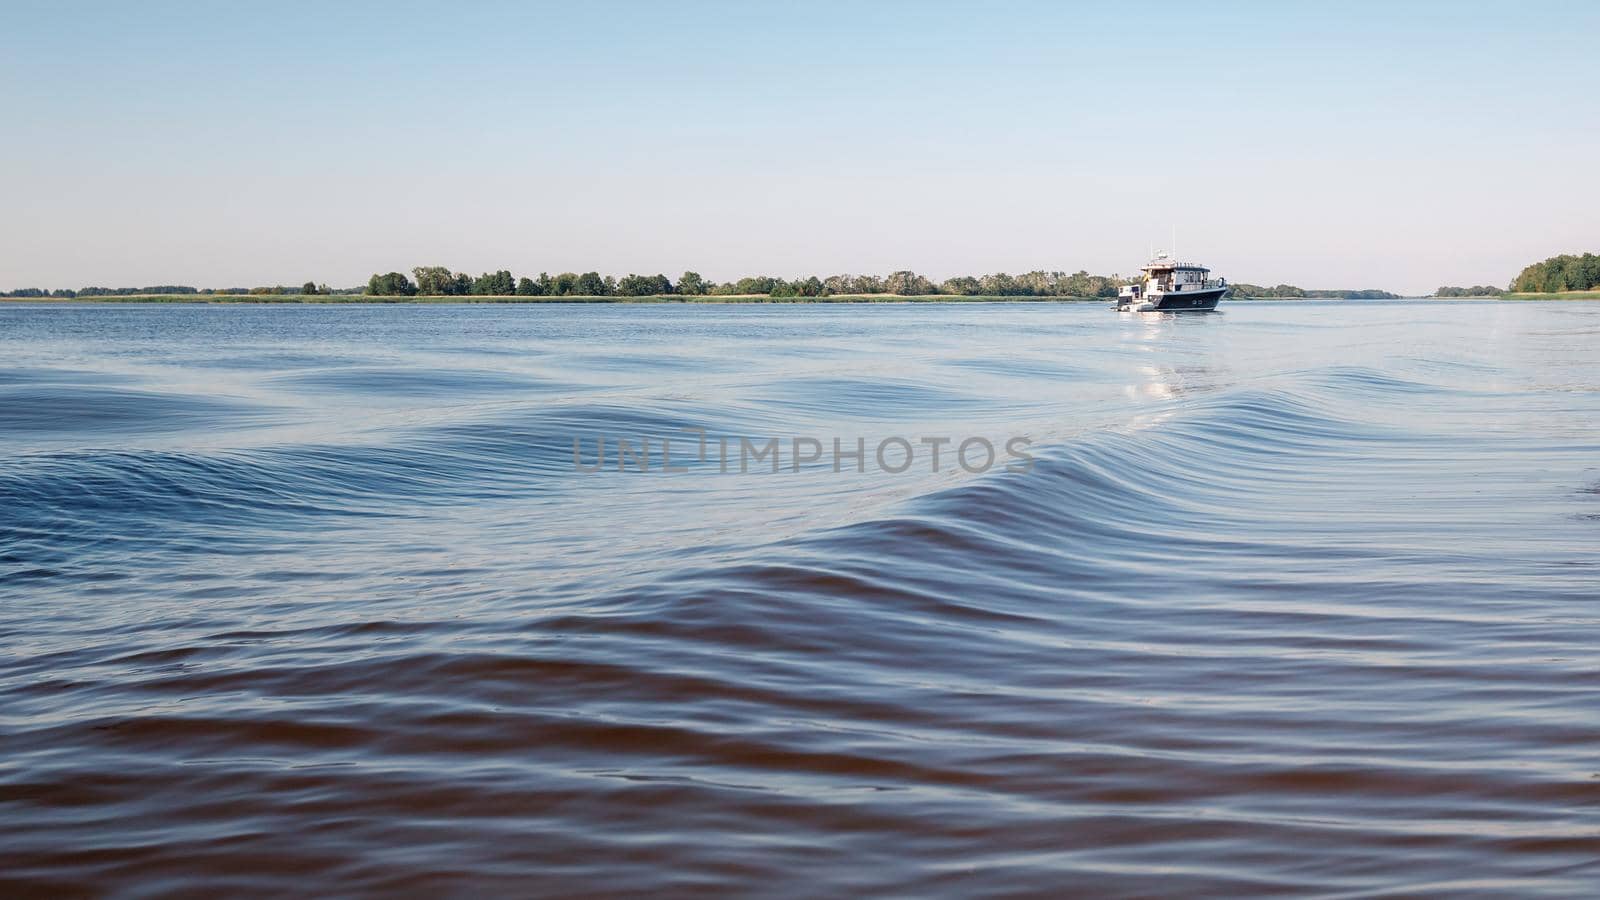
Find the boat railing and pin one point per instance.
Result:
(1181, 286)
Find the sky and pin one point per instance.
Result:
(1389, 145)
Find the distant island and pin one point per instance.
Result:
(1477, 290)
(437, 281)
(1564, 276)
(1290, 292)
(440, 283)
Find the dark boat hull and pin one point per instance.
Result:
(1181, 301)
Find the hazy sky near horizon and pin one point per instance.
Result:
(1354, 144)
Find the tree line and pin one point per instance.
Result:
(1289, 291)
(1560, 273)
(176, 289)
(101, 291)
(439, 281)
(1477, 290)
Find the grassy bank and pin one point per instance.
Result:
(1563, 295)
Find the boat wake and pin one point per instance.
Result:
(1249, 635)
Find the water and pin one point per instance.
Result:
(1299, 597)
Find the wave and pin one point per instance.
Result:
(74, 409)
(406, 384)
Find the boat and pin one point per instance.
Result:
(1172, 286)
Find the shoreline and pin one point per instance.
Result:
(334, 300)
(700, 299)
(658, 299)
(1562, 295)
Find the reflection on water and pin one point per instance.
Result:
(1298, 597)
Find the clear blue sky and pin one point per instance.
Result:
(1346, 144)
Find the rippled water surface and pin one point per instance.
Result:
(1296, 598)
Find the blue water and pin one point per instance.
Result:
(1293, 598)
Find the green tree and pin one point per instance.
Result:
(1560, 273)
(1477, 290)
(908, 284)
(589, 284)
(868, 284)
(527, 287)
(643, 286)
(961, 284)
(811, 286)
(998, 285)
(433, 281)
(1036, 284)
(392, 284)
(494, 284)
(1082, 284)
(755, 284)
(692, 284)
(309, 289)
